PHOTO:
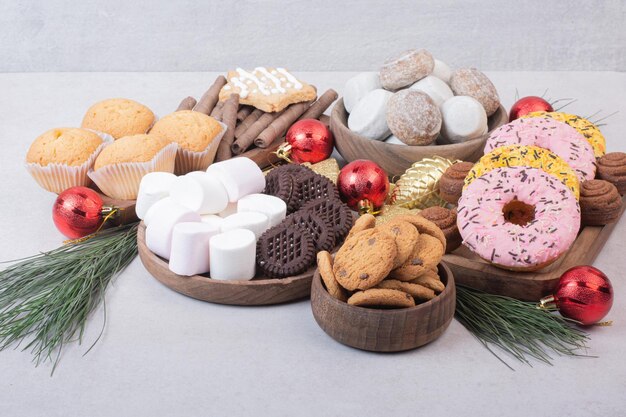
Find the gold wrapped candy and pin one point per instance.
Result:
(328, 168)
(418, 187)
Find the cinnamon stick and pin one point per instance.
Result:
(217, 110)
(210, 98)
(319, 107)
(244, 112)
(187, 104)
(229, 117)
(248, 121)
(244, 141)
(324, 119)
(279, 126)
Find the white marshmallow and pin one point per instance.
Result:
(394, 140)
(436, 89)
(239, 176)
(201, 192)
(231, 208)
(357, 87)
(154, 186)
(442, 71)
(190, 248)
(273, 207)
(254, 221)
(369, 116)
(147, 219)
(464, 118)
(162, 222)
(212, 219)
(233, 255)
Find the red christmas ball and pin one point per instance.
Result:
(363, 185)
(526, 105)
(77, 212)
(309, 140)
(584, 294)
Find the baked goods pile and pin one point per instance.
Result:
(416, 99)
(234, 223)
(390, 265)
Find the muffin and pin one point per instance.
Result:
(197, 136)
(119, 117)
(60, 158)
(118, 169)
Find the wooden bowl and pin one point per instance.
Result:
(258, 291)
(380, 330)
(395, 159)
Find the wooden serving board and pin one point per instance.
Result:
(474, 272)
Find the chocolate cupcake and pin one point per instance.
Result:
(445, 219)
(452, 181)
(612, 168)
(600, 203)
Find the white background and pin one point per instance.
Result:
(192, 35)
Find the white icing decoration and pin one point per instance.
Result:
(291, 78)
(275, 80)
(274, 72)
(288, 85)
(250, 76)
(227, 87)
(243, 93)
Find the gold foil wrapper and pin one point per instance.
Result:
(418, 187)
(329, 168)
(388, 212)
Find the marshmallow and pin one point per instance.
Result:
(442, 71)
(201, 192)
(154, 186)
(233, 255)
(231, 208)
(464, 118)
(147, 219)
(162, 222)
(212, 219)
(239, 176)
(357, 87)
(190, 248)
(394, 140)
(438, 90)
(254, 221)
(369, 116)
(273, 207)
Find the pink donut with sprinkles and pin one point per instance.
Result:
(558, 137)
(518, 218)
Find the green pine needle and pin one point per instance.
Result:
(45, 299)
(518, 328)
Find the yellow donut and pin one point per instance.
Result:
(530, 156)
(582, 125)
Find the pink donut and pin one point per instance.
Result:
(518, 218)
(558, 137)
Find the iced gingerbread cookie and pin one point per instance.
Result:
(406, 68)
(463, 118)
(357, 87)
(473, 83)
(368, 117)
(413, 117)
(267, 89)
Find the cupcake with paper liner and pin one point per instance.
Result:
(197, 136)
(119, 117)
(60, 158)
(120, 166)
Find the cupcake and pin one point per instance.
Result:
(119, 117)
(197, 135)
(118, 169)
(60, 158)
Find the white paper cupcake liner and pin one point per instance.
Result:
(121, 181)
(59, 177)
(188, 161)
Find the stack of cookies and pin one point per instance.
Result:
(318, 220)
(393, 265)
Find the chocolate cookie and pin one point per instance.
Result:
(283, 185)
(285, 250)
(600, 203)
(445, 219)
(452, 181)
(612, 168)
(380, 297)
(336, 212)
(325, 266)
(313, 187)
(365, 259)
(314, 224)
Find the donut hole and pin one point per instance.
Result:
(518, 212)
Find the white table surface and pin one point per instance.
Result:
(163, 354)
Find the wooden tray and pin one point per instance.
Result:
(258, 291)
(380, 330)
(472, 271)
(395, 159)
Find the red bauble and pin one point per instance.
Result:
(529, 104)
(583, 294)
(77, 212)
(363, 185)
(307, 140)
